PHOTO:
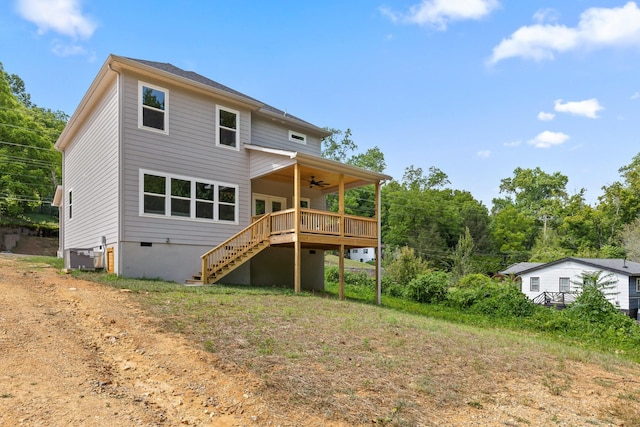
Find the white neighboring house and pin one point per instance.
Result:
(362, 254)
(557, 277)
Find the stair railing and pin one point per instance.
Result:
(235, 246)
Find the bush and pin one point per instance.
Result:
(332, 274)
(391, 288)
(429, 287)
(480, 294)
(405, 266)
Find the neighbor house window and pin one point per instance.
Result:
(534, 284)
(297, 137)
(365, 251)
(152, 113)
(638, 284)
(227, 127)
(184, 197)
(70, 204)
(565, 284)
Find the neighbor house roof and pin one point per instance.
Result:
(617, 265)
(520, 267)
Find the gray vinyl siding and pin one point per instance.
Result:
(268, 133)
(91, 172)
(262, 164)
(188, 150)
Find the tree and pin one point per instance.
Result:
(358, 201)
(31, 166)
(463, 257)
(630, 237)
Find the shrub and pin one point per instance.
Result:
(332, 274)
(429, 287)
(405, 266)
(480, 294)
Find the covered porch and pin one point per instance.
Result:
(302, 222)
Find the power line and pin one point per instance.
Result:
(52, 149)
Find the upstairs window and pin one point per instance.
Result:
(298, 137)
(152, 113)
(227, 127)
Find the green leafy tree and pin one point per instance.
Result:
(630, 237)
(31, 166)
(463, 257)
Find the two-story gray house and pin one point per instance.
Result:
(169, 174)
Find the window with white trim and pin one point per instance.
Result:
(534, 284)
(185, 197)
(305, 203)
(564, 284)
(153, 107)
(227, 121)
(298, 137)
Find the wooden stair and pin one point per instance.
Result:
(233, 252)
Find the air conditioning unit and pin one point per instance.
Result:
(85, 259)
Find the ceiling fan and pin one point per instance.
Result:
(318, 183)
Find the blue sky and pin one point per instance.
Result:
(475, 88)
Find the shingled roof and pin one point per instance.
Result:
(191, 75)
(617, 265)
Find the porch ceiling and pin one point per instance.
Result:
(320, 169)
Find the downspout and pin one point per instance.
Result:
(118, 173)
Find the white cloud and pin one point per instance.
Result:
(512, 143)
(598, 27)
(588, 108)
(546, 117)
(484, 154)
(64, 50)
(547, 139)
(438, 13)
(635, 95)
(61, 16)
(545, 15)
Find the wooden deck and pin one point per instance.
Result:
(316, 229)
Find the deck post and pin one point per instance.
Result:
(341, 271)
(378, 246)
(341, 202)
(296, 228)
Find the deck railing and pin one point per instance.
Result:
(555, 298)
(322, 222)
(357, 226)
(236, 246)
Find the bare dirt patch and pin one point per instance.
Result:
(73, 352)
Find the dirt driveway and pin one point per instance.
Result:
(76, 353)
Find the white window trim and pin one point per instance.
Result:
(301, 137)
(142, 84)
(531, 284)
(267, 198)
(560, 284)
(306, 199)
(218, 127)
(193, 180)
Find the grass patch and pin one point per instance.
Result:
(42, 262)
(360, 362)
